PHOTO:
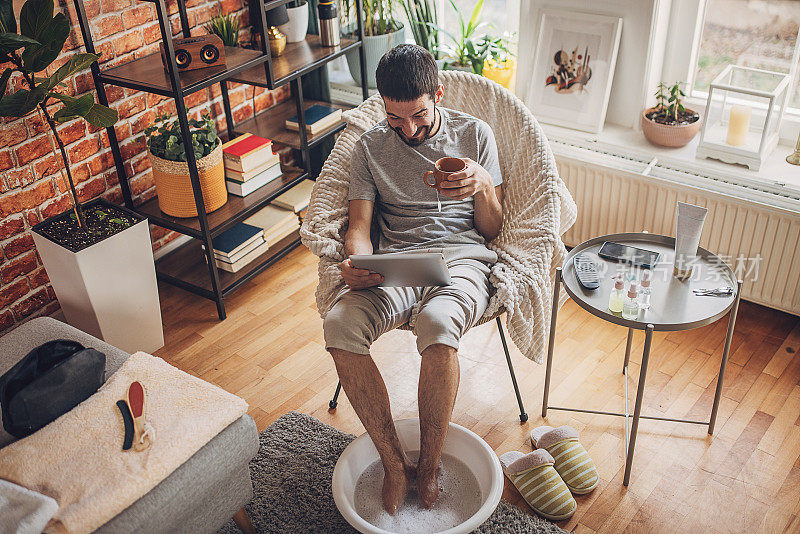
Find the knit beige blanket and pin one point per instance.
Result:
(537, 207)
(78, 458)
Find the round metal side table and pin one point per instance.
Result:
(674, 306)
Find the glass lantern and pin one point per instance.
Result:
(743, 115)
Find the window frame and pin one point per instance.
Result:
(687, 18)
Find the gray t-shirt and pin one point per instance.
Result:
(387, 171)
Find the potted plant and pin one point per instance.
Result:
(468, 51)
(499, 64)
(424, 26)
(382, 32)
(669, 123)
(297, 26)
(98, 256)
(167, 155)
(226, 27)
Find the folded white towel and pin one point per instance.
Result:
(78, 458)
(23, 511)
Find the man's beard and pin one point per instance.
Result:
(417, 140)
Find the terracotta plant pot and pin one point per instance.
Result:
(174, 188)
(667, 134)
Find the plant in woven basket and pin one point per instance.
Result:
(164, 139)
(226, 27)
(41, 37)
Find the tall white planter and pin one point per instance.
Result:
(295, 30)
(374, 49)
(109, 289)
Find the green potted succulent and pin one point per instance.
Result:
(295, 30)
(669, 123)
(167, 154)
(382, 32)
(98, 256)
(226, 27)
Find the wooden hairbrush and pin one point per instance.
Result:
(136, 401)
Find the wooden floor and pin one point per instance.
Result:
(746, 478)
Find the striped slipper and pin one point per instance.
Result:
(571, 459)
(539, 484)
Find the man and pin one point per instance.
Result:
(387, 168)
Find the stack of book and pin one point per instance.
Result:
(277, 223)
(249, 164)
(318, 118)
(236, 247)
(297, 198)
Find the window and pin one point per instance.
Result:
(762, 34)
(501, 14)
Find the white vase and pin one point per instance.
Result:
(295, 30)
(109, 289)
(374, 49)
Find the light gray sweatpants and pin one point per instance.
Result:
(440, 314)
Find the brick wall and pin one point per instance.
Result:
(31, 186)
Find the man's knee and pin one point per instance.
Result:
(348, 329)
(436, 328)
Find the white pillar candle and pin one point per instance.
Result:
(738, 124)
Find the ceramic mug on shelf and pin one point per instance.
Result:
(445, 167)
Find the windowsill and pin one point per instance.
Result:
(776, 178)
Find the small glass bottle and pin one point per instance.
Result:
(630, 308)
(617, 297)
(645, 291)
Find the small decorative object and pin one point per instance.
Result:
(743, 115)
(167, 155)
(277, 39)
(688, 227)
(794, 157)
(573, 68)
(192, 53)
(296, 25)
(668, 123)
(226, 27)
(328, 23)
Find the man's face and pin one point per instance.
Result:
(412, 120)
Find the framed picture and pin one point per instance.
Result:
(573, 68)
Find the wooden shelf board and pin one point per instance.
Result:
(295, 60)
(188, 263)
(271, 124)
(233, 211)
(148, 73)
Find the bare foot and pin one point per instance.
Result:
(396, 482)
(428, 486)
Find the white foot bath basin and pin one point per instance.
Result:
(461, 444)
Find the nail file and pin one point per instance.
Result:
(136, 401)
(586, 271)
(127, 421)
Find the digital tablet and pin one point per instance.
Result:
(406, 269)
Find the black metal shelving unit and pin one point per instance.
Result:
(192, 266)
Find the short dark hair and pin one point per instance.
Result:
(406, 72)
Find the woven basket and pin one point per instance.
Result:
(174, 188)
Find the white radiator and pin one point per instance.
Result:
(618, 193)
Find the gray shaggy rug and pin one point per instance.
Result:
(292, 475)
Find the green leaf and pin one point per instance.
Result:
(4, 81)
(11, 41)
(95, 114)
(76, 63)
(20, 103)
(8, 24)
(34, 17)
(52, 38)
(476, 15)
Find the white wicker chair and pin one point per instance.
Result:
(537, 210)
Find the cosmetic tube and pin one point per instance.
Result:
(689, 225)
